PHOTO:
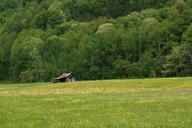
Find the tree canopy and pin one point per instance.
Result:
(95, 39)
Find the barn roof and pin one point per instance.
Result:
(63, 76)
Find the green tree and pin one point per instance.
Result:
(25, 56)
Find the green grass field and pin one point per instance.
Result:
(141, 103)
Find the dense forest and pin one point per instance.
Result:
(95, 39)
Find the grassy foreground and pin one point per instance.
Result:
(147, 103)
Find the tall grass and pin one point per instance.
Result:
(139, 103)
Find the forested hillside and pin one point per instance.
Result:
(95, 39)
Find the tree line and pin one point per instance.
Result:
(95, 39)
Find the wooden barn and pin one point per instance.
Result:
(65, 77)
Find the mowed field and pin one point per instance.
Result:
(140, 103)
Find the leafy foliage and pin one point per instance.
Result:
(97, 39)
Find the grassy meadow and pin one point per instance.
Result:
(139, 103)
